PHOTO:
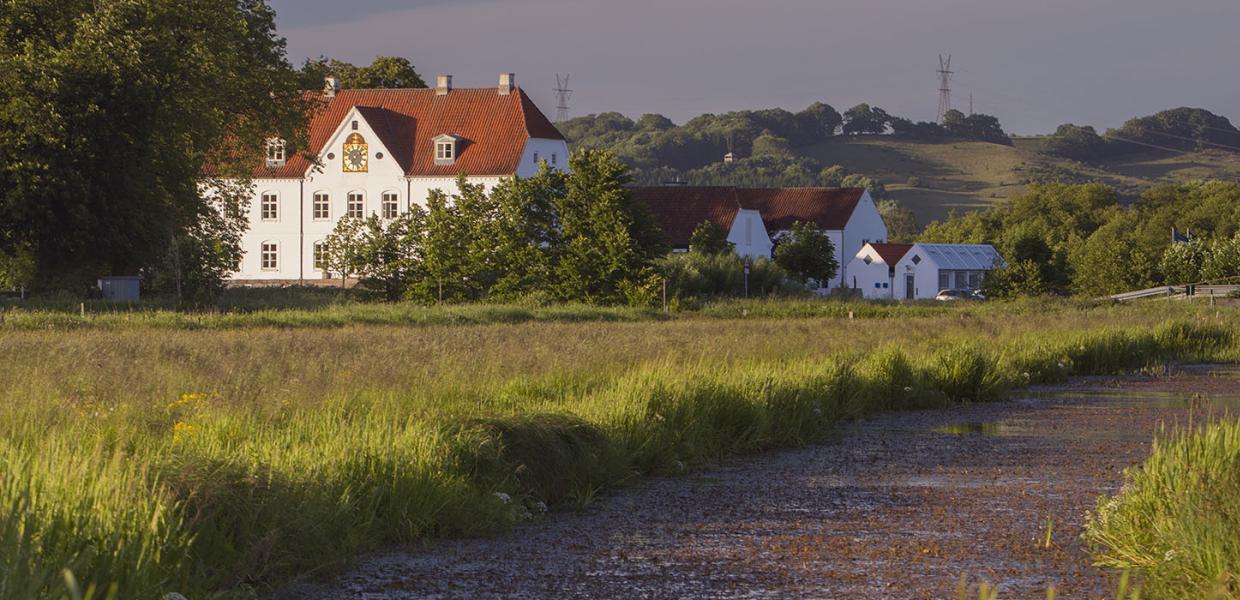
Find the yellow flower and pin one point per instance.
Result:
(188, 398)
(182, 430)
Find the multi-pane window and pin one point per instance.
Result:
(270, 256)
(319, 254)
(554, 157)
(270, 207)
(535, 159)
(276, 152)
(390, 205)
(356, 207)
(945, 280)
(445, 151)
(322, 206)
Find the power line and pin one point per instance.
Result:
(562, 95)
(945, 86)
(1188, 139)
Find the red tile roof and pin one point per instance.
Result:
(891, 253)
(680, 209)
(493, 129)
(828, 208)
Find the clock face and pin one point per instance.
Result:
(355, 154)
(355, 159)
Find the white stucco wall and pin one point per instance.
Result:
(864, 226)
(925, 275)
(748, 235)
(552, 152)
(871, 278)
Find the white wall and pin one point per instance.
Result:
(864, 226)
(284, 230)
(552, 152)
(749, 235)
(925, 275)
(865, 277)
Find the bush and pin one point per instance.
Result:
(698, 275)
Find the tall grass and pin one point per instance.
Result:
(149, 460)
(1176, 523)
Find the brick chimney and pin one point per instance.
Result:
(443, 85)
(507, 82)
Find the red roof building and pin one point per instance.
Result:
(380, 151)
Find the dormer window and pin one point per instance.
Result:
(445, 149)
(276, 152)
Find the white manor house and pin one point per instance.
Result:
(380, 151)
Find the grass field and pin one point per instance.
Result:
(224, 457)
(963, 175)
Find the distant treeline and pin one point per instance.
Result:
(1080, 239)
(1175, 130)
(654, 141)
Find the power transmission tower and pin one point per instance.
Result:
(562, 96)
(945, 85)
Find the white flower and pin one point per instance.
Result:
(908, 388)
(505, 498)
(1025, 375)
(1169, 555)
(1061, 365)
(540, 506)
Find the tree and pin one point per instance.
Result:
(609, 242)
(769, 144)
(864, 119)
(385, 72)
(119, 108)
(901, 224)
(1076, 143)
(974, 127)
(1020, 279)
(343, 249)
(819, 121)
(1111, 261)
(528, 235)
(710, 238)
(1183, 263)
(807, 254)
(1223, 262)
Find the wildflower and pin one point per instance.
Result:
(182, 430)
(908, 388)
(1026, 375)
(1061, 365)
(540, 506)
(503, 498)
(1169, 556)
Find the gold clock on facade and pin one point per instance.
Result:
(356, 154)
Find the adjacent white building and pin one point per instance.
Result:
(379, 152)
(756, 218)
(920, 271)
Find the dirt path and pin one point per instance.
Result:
(901, 507)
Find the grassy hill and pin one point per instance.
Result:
(934, 178)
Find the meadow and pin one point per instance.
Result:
(221, 454)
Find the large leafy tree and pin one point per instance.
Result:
(112, 110)
(385, 72)
(807, 254)
(710, 238)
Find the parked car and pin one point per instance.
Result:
(954, 295)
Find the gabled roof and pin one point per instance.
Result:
(890, 253)
(828, 208)
(493, 129)
(680, 209)
(971, 257)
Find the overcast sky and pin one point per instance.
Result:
(1032, 63)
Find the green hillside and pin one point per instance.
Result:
(934, 178)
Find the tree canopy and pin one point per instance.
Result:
(385, 72)
(807, 254)
(113, 112)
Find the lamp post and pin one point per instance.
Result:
(748, 263)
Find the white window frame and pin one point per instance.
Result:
(389, 200)
(321, 200)
(535, 159)
(360, 213)
(269, 200)
(277, 152)
(445, 151)
(269, 250)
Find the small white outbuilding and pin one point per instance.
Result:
(921, 271)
